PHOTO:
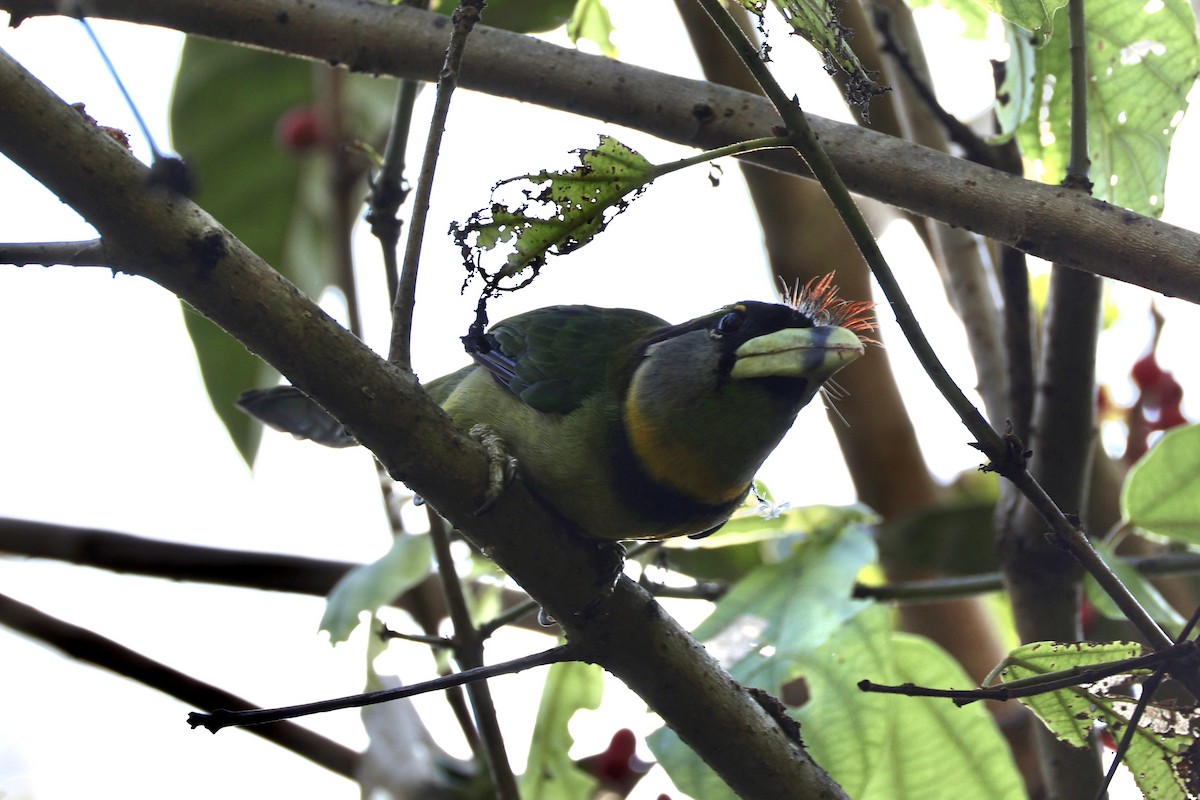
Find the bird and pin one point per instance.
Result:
(627, 426)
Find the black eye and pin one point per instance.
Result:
(729, 323)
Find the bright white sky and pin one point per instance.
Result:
(108, 425)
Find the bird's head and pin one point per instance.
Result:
(708, 400)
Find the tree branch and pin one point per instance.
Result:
(73, 254)
(85, 645)
(1046, 221)
(173, 242)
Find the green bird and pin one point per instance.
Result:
(627, 426)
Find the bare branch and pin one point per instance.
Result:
(47, 254)
(85, 645)
(1045, 221)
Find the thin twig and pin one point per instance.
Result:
(1036, 684)
(390, 189)
(1004, 453)
(802, 137)
(465, 17)
(224, 718)
(468, 652)
(90, 253)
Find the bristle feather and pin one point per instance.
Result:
(819, 300)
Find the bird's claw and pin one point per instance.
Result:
(502, 465)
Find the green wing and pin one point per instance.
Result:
(555, 357)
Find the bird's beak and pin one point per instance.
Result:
(812, 353)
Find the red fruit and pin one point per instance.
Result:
(1146, 372)
(1107, 740)
(1087, 615)
(617, 768)
(1169, 417)
(299, 129)
(1170, 393)
(614, 762)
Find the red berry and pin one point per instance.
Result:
(1169, 417)
(614, 762)
(1087, 615)
(1170, 393)
(1107, 740)
(299, 129)
(1146, 372)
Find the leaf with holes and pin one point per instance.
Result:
(1142, 58)
(818, 22)
(1066, 712)
(551, 213)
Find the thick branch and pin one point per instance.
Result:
(1045, 221)
(176, 244)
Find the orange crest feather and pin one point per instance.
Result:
(819, 300)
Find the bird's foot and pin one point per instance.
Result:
(502, 469)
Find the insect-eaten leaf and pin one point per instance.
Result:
(818, 22)
(1163, 750)
(549, 213)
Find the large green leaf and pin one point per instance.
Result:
(1161, 494)
(550, 774)
(1142, 59)
(1067, 713)
(223, 113)
(877, 746)
(1161, 755)
(782, 610)
(890, 747)
(226, 104)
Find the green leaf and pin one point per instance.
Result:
(552, 212)
(1032, 15)
(1144, 591)
(592, 22)
(371, 586)
(691, 775)
(877, 746)
(222, 125)
(784, 609)
(1017, 95)
(550, 774)
(890, 747)
(1161, 494)
(1142, 59)
(226, 104)
(818, 22)
(1067, 712)
(1161, 755)
(748, 525)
